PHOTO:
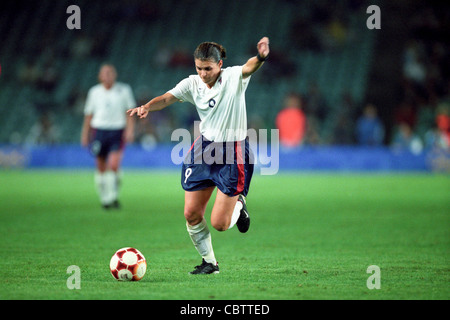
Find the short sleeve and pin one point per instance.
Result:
(183, 91)
(89, 106)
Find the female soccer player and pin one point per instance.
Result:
(220, 157)
(105, 118)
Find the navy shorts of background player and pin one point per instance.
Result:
(105, 141)
(226, 165)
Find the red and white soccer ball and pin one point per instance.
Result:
(128, 264)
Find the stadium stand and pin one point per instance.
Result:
(48, 68)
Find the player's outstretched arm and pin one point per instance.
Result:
(155, 104)
(256, 62)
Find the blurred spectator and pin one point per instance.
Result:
(82, 46)
(164, 124)
(145, 133)
(49, 77)
(405, 113)
(334, 33)
(348, 107)
(101, 39)
(137, 10)
(413, 65)
(342, 121)
(426, 72)
(181, 58)
(28, 72)
(280, 66)
(343, 132)
(256, 122)
(76, 99)
(303, 36)
(312, 136)
(406, 140)
(315, 104)
(291, 121)
(162, 56)
(369, 128)
(435, 139)
(155, 129)
(322, 26)
(443, 121)
(44, 132)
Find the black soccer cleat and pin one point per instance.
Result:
(243, 222)
(206, 268)
(116, 204)
(107, 206)
(113, 205)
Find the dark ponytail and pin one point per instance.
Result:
(210, 51)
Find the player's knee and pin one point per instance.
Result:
(114, 160)
(220, 224)
(114, 166)
(192, 217)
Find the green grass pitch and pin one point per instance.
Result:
(312, 236)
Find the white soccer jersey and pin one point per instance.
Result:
(222, 108)
(108, 107)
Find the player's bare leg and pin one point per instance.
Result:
(114, 160)
(195, 203)
(222, 212)
(230, 211)
(102, 164)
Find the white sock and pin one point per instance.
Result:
(101, 186)
(201, 238)
(113, 185)
(236, 214)
(110, 182)
(107, 184)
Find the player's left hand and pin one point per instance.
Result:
(263, 47)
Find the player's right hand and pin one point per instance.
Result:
(141, 112)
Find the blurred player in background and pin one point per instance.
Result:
(219, 96)
(106, 129)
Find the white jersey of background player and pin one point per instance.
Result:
(109, 106)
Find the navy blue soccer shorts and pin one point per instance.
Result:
(105, 141)
(226, 165)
